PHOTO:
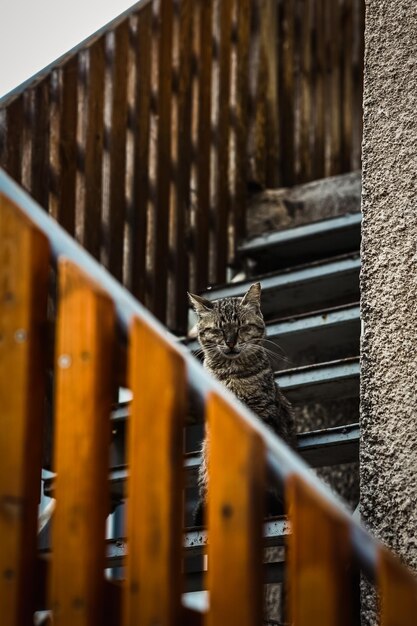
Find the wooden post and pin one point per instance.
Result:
(24, 259)
(155, 512)
(319, 560)
(235, 514)
(398, 588)
(84, 357)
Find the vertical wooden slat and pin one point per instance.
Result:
(84, 355)
(161, 85)
(154, 523)
(357, 71)
(319, 560)
(333, 130)
(90, 131)
(40, 143)
(319, 56)
(306, 157)
(256, 149)
(63, 144)
(141, 115)
(288, 91)
(346, 28)
(202, 145)
(242, 11)
(113, 227)
(235, 513)
(23, 288)
(219, 251)
(11, 138)
(181, 163)
(398, 590)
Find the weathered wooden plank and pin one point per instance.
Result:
(221, 154)
(90, 133)
(319, 560)
(85, 337)
(240, 94)
(24, 259)
(306, 156)
(346, 28)
(333, 95)
(398, 591)
(357, 70)
(40, 143)
(11, 138)
(160, 154)
(114, 209)
(154, 523)
(287, 90)
(202, 47)
(141, 43)
(63, 144)
(319, 56)
(177, 313)
(235, 514)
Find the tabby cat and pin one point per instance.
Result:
(231, 333)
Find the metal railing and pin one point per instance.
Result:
(142, 141)
(325, 547)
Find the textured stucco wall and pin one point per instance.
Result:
(388, 458)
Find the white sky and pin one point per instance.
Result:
(33, 33)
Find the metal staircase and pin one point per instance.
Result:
(321, 345)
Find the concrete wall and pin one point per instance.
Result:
(389, 278)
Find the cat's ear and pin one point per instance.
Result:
(199, 304)
(253, 295)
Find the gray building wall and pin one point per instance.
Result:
(388, 457)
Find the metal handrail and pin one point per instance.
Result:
(281, 460)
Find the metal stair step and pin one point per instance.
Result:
(301, 244)
(324, 381)
(330, 446)
(297, 290)
(311, 338)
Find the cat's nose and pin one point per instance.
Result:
(230, 342)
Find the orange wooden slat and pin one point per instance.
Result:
(318, 561)
(83, 397)
(398, 590)
(235, 513)
(140, 54)
(24, 259)
(112, 246)
(154, 508)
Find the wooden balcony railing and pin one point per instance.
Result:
(142, 141)
(326, 547)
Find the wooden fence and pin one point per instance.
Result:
(142, 142)
(325, 548)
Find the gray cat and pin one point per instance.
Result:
(231, 332)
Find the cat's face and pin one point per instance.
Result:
(230, 327)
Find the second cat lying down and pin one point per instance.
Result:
(231, 332)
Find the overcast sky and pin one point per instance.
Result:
(35, 32)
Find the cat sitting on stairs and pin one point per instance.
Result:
(231, 332)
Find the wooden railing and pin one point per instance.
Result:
(325, 548)
(143, 140)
